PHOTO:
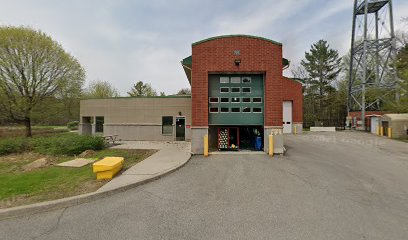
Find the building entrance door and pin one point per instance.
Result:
(287, 117)
(180, 128)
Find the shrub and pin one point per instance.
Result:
(67, 144)
(73, 125)
(13, 145)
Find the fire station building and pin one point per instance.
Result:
(239, 97)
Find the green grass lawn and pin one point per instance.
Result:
(19, 131)
(18, 187)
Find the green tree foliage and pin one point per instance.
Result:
(101, 89)
(33, 68)
(184, 91)
(323, 66)
(141, 89)
(401, 106)
(318, 72)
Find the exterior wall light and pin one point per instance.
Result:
(237, 62)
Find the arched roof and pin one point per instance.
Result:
(236, 35)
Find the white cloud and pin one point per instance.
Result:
(126, 41)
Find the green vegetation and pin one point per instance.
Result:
(324, 102)
(73, 125)
(19, 187)
(35, 69)
(141, 89)
(8, 132)
(66, 144)
(100, 89)
(59, 144)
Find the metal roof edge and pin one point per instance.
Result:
(236, 35)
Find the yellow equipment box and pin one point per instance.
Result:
(108, 167)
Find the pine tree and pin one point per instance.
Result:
(323, 66)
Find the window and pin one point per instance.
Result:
(246, 90)
(213, 109)
(167, 125)
(235, 80)
(246, 80)
(213, 100)
(246, 109)
(246, 100)
(224, 109)
(257, 110)
(99, 121)
(224, 100)
(224, 90)
(235, 89)
(235, 100)
(224, 79)
(257, 100)
(235, 110)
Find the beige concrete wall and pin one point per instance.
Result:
(399, 128)
(138, 118)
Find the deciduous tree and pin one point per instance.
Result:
(101, 89)
(33, 67)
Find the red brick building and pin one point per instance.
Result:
(239, 92)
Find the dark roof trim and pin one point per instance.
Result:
(236, 35)
(170, 96)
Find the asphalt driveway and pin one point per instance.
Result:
(328, 186)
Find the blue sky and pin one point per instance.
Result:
(124, 41)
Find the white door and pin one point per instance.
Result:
(287, 117)
(374, 124)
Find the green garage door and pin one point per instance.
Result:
(236, 99)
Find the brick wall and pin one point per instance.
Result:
(256, 55)
(292, 91)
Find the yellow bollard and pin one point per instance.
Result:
(271, 145)
(378, 131)
(382, 131)
(295, 130)
(389, 132)
(206, 146)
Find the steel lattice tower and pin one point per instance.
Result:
(372, 74)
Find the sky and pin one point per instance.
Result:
(125, 41)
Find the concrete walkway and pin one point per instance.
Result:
(171, 155)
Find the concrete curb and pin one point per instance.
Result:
(79, 199)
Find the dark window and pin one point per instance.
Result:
(99, 121)
(213, 100)
(213, 109)
(235, 110)
(235, 89)
(224, 109)
(224, 90)
(235, 100)
(224, 100)
(257, 110)
(246, 109)
(257, 100)
(246, 80)
(167, 125)
(246, 100)
(246, 89)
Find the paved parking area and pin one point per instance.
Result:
(329, 186)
